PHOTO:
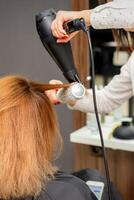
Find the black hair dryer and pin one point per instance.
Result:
(60, 52)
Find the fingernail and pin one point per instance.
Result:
(65, 36)
(63, 31)
(56, 103)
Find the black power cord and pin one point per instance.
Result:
(97, 116)
(79, 24)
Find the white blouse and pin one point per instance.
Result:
(115, 14)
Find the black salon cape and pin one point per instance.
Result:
(66, 187)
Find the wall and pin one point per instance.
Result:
(21, 52)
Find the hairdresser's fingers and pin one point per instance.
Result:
(61, 18)
(54, 81)
(52, 94)
(52, 97)
(60, 35)
(57, 27)
(60, 28)
(65, 40)
(55, 30)
(58, 24)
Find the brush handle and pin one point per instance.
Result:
(74, 92)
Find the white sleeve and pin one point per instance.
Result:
(111, 96)
(108, 16)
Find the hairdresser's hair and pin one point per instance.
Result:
(29, 137)
(124, 39)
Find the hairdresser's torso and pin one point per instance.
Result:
(128, 70)
(132, 71)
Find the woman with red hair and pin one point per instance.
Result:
(30, 142)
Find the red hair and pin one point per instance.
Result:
(29, 137)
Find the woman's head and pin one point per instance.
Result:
(29, 137)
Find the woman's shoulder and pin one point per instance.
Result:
(65, 187)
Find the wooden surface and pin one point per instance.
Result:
(81, 58)
(86, 136)
(121, 166)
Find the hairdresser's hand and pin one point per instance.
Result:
(65, 16)
(52, 93)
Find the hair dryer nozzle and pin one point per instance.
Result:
(60, 52)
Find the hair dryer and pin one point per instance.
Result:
(61, 53)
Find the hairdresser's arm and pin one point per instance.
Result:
(105, 16)
(113, 15)
(110, 97)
